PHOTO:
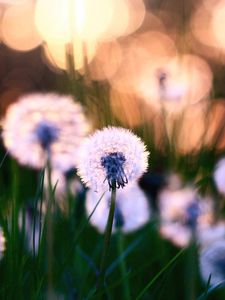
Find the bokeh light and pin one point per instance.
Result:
(176, 82)
(18, 29)
(138, 51)
(106, 61)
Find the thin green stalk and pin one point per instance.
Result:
(38, 194)
(122, 265)
(191, 271)
(152, 281)
(107, 237)
(49, 216)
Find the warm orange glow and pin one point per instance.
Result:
(207, 26)
(131, 111)
(56, 54)
(175, 82)
(127, 108)
(137, 52)
(215, 136)
(13, 2)
(18, 28)
(191, 129)
(88, 20)
(152, 22)
(218, 23)
(120, 20)
(200, 26)
(106, 61)
(136, 9)
(85, 22)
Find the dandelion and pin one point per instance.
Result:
(112, 156)
(131, 213)
(183, 213)
(44, 125)
(211, 234)
(212, 262)
(218, 176)
(110, 159)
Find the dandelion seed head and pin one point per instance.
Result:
(112, 155)
(183, 212)
(212, 262)
(132, 210)
(40, 122)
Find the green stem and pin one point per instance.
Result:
(49, 232)
(191, 271)
(107, 237)
(122, 265)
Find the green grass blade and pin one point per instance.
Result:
(159, 274)
(210, 290)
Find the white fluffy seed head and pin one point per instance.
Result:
(105, 142)
(131, 203)
(25, 125)
(182, 211)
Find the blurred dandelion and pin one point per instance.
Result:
(110, 156)
(132, 210)
(41, 125)
(219, 176)
(182, 214)
(211, 234)
(212, 262)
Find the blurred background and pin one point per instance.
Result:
(156, 67)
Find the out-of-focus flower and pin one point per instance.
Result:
(175, 83)
(212, 262)
(182, 213)
(218, 176)
(132, 209)
(45, 124)
(211, 234)
(112, 156)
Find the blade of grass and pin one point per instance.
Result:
(159, 274)
(126, 252)
(3, 159)
(209, 291)
(77, 236)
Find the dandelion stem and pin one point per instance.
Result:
(122, 265)
(107, 236)
(49, 231)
